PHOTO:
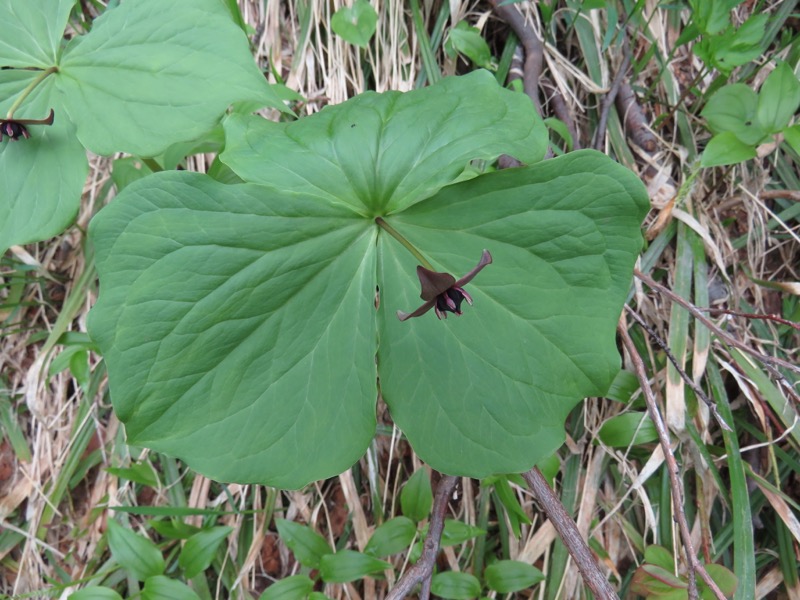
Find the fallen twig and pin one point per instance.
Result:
(422, 571)
(684, 375)
(694, 566)
(600, 133)
(770, 362)
(568, 531)
(534, 55)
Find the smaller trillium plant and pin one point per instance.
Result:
(442, 293)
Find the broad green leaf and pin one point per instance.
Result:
(126, 170)
(726, 149)
(488, 392)
(356, 23)
(95, 592)
(457, 532)
(42, 176)
(506, 576)
(455, 586)
(380, 153)
(265, 305)
(624, 386)
(733, 47)
(416, 497)
(465, 39)
(733, 108)
(713, 15)
(778, 99)
(723, 577)
(393, 536)
(296, 587)
(308, 546)
(652, 579)
(239, 322)
(142, 473)
(792, 135)
(628, 429)
(200, 549)
(164, 588)
(32, 31)
(659, 556)
(133, 552)
(152, 73)
(349, 565)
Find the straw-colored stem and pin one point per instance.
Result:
(27, 91)
(408, 245)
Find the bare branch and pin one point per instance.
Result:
(422, 571)
(568, 531)
(693, 563)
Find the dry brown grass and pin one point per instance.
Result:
(59, 524)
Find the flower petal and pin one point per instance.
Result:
(420, 311)
(433, 283)
(486, 259)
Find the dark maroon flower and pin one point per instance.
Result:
(15, 129)
(442, 293)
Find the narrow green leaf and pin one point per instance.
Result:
(308, 546)
(200, 549)
(744, 554)
(164, 588)
(506, 576)
(95, 592)
(509, 499)
(141, 473)
(355, 23)
(296, 587)
(32, 31)
(393, 536)
(135, 553)
(348, 565)
(628, 429)
(778, 99)
(726, 149)
(152, 73)
(416, 497)
(455, 586)
(783, 407)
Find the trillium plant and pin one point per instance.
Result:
(253, 317)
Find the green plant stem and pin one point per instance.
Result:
(152, 163)
(27, 91)
(408, 245)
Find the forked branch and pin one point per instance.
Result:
(422, 571)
